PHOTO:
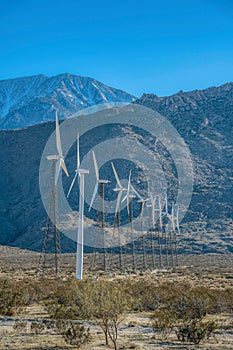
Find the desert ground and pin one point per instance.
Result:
(135, 330)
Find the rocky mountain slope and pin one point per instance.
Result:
(203, 118)
(32, 100)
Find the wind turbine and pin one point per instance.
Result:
(60, 163)
(152, 199)
(142, 202)
(52, 234)
(99, 184)
(160, 230)
(131, 193)
(119, 191)
(177, 226)
(171, 219)
(81, 173)
(177, 218)
(164, 219)
(152, 204)
(77, 170)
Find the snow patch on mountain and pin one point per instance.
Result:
(32, 100)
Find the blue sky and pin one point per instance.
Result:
(139, 46)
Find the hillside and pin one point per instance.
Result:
(205, 121)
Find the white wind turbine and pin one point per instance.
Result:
(99, 184)
(59, 159)
(156, 207)
(131, 193)
(119, 190)
(176, 214)
(143, 202)
(178, 229)
(152, 199)
(57, 164)
(174, 218)
(79, 172)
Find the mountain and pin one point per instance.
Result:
(204, 118)
(33, 100)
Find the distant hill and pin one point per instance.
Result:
(33, 100)
(203, 118)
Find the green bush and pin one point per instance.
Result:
(12, 297)
(163, 321)
(195, 331)
(73, 334)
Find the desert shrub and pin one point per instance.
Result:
(182, 309)
(107, 305)
(163, 321)
(144, 295)
(104, 302)
(37, 327)
(73, 333)
(222, 300)
(20, 326)
(68, 301)
(12, 297)
(188, 302)
(196, 330)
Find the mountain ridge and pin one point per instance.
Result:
(32, 100)
(207, 128)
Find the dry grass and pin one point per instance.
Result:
(214, 271)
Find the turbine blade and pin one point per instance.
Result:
(116, 175)
(118, 202)
(160, 222)
(172, 209)
(64, 167)
(58, 137)
(137, 194)
(57, 173)
(127, 201)
(160, 214)
(148, 187)
(95, 166)
(129, 183)
(178, 227)
(125, 197)
(166, 208)
(78, 155)
(177, 219)
(173, 223)
(72, 184)
(94, 195)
